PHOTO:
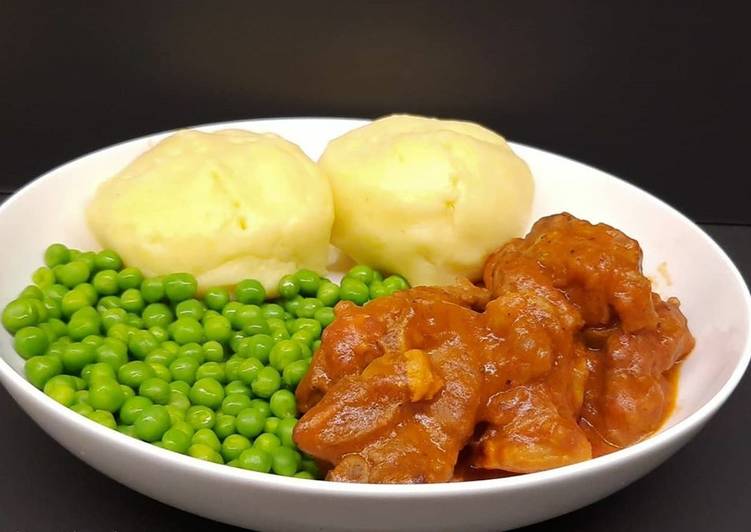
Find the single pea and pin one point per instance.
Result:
(190, 308)
(285, 429)
(180, 286)
(96, 370)
(233, 445)
(120, 331)
(218, 329)
(210, 314)
(237, 387)
(61, 388)
(176, 440)
(309, 282)
(186, 330)
(184, 369)
(128, 430)
(308, 324)
(272, 423)
(354, 290)
(43, 277)
(161, 356)
(141, 344)
(73, 273)
(245, 315)
(292, 305)
(59, 327)
(41, 369)
(394, 283)
(328, 293)
(305, 475)
(234, 403)
(324, 316)
(250, 291)
(248, 370)
(213, 370)
(180, 386)
(279, 334)
(272, 311)
(179, 400)
(134, 373)
(213, 351)
(73, 301)
(160, 371)
(112, 316)
(294, 372)
(255, 460)
(134, 320)
(18, 314)
(105, 282)
(361, 273)
(152, 423)
(224, 426)
(308, 307)
(84, 322)
(232, 367)
(249, 422)
(155, 389)
(207, 392)
(285, 461)
(77, 355)
(259, 346)
(184, 427)
(304, 337)
(288, 287)
(157, 315)
(30, 342)
(83, 409)
(262, 405)
(56, 292)
(160, 333)
(113, 352)
(103, 417)
(207, 437)
(56, 348)
(132, 301)
(54, 307)
(275, 323)
(307, 352)
(176, 415)
(267, 381)
(256, 326)
(216, 298)
(283, 353)
(127, 391)
(234, 340)
(107, 260)
(204, 452)
(171, 346)
(378, 289)
(105, 394)
(152, 289)
(128, 278)
(89, 258)
(267, 442)
(108, 302)
(283, 404)
(56, 254)
(230, 311)
(200, 417)
(193, 350)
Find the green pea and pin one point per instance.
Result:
(157, 315)
(279, 334)
(30, 342)
(128, 278)
(259, 346)
(43, 277)
(250, 291)
(61, 388)
(186, 330)
(56, 292)
(256, 326)
(283, 353)
(161, 371)
(59, 327)
(200, 417)
(112, 316)
(141, 344)
(193, 350)
(120, 331)
(271, 311)
(361, 273)
(304, 337)
(233, 404)
(53, 307)
(171, 346)
(105, 282)
(267, 381)
(328, 293)
(308, 324)
(83, 409)
(134, 320)
(218, 329)
(127, 391)
(285, 430)
(237, 387)
(283, 404)
(109, 302)
(230, 311)
(56, 254)
(178, 400)
(89, 258)
(207, 437)
(305, 475)
(255, 460)
(73, 301)
(216, 298)
(234, 340)
(160, 333)
(96, 371)
(161, 356)
(272, 423)
(250, 421)
(245, 315)
(285, 461)
(294, 372)
(78, 382)
(128, 430)
(134, 373)
(190, 308)
(184, 369)
(132, 408)
(394, 283)
(107, 260)
(354, 290)
(207, 392)
(232, 367)
(84, 322)
(267, 442)
(233, 446)
(248, 370)
(324, 316)
(204, 452)
(103, 417)
(288, 287)
(41, 369)
(152, 423)
(378, 289)
(307, 352)
(180, 386)
(105, 394)
(18, 314)
(49, 332)
(152, 290)
(308, 307)
(213, 351)
(113, 352)
(224, 426)
(72, 273)
(132, 301)
(176, 440)
(213, 370)
(77, 355)
(262, 405)
(293, 305)
(156, 389)
(180, 286)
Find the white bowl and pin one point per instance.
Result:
(682, 260)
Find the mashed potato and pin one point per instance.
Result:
(223, 206)
(428, 199)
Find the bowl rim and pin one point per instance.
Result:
(17, 384)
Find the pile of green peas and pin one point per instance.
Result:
(213, 378)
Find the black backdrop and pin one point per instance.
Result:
(655, 94)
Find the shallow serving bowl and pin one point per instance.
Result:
(680, 258)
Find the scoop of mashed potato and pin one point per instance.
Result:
(428, 199)
(224, 206)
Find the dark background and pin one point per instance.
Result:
(655, 94)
